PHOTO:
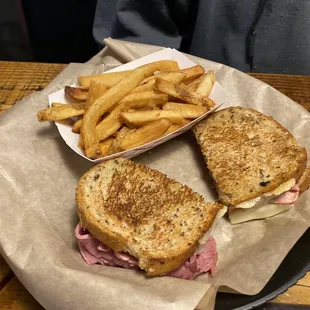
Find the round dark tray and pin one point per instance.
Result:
(295, 266)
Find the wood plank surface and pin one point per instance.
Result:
(305, 281)
(4, 271)
(297, 87)
(15, 297)
(297, 295)
(20, 79)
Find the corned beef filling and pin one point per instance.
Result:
(95, 252)
(288, 197)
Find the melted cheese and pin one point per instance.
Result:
(209, 233)
(249, 203)
(262, 206)
(284, 187)
(237, 216)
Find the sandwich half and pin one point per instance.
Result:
(135, 217)
(259, 169)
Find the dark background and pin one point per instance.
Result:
(58, 31)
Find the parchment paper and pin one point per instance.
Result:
(38, 177)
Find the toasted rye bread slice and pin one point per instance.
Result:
(133, 208)
(248, 153)
(304, 181)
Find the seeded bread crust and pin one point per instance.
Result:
(133, 208)
(248, 153)
(304, 181)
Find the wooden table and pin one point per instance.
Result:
(20, 79)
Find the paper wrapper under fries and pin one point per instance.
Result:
(148, 109)
(39, 173)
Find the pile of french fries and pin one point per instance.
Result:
(118, 111)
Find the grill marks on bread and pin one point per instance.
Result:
(136, 197)
(248, 153)
(133, 208)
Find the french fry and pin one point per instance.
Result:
(175, 127)
(105, 146)
(109, 125)
(194, 84)
(57, 104)
(144, 104)
(114, 95)
(109, 79)
(115, 112)
(187, 110)
(78, 105)
(115, 146)
(152, 77)
(206, 84)
(75, 105)
(181, 92)
(141, 118)
(212, 103)
(193, 72)
(58, 114)
(173, 77)
(149, 85)
(115, 134)
(145, 134)
(142, 101)
(145, 96)
(76, 93)
(149, 106)
(96, 90)
(172, 128)
(81, 144)
(77, 125)
(108, 128)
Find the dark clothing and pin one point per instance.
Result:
(251, 35)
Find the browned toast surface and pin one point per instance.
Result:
(248, 153)
(304, 181)
(133, 208)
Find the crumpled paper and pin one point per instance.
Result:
(39, 174)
